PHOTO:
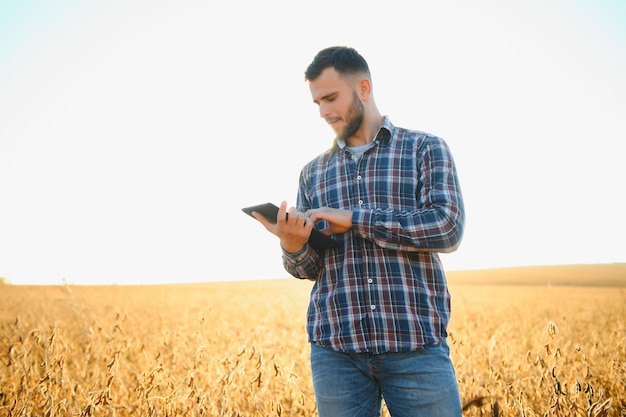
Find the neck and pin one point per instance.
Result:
(369, 127)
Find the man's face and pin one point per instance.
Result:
(338, 102)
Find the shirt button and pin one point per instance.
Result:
(360, 202)
(373, 307)
(358, 177)
(369, 280)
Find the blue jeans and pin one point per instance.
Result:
(419, 383)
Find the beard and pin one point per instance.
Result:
(354, 118)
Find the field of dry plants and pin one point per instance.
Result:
(239, 349)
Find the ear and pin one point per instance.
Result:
(364, 88)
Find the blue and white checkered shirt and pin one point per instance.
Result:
(385, 289)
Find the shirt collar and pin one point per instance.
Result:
(384, 132)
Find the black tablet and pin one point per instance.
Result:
(317, 238)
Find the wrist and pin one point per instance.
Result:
(290, 248)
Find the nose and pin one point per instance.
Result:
(324, 110)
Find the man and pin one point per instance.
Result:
(380, 305)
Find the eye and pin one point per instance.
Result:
(326, 99)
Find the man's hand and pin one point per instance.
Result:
(339, 221)
(292, 228)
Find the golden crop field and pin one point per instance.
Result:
(554, 348)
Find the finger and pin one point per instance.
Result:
(282, 211)
(292, 214)
(314, 215)
(327, 231)
(264, 221)
(259, 216)
(310, 214)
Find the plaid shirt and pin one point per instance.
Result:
(385, 290)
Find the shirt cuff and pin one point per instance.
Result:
(298, 257)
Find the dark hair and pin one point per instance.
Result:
(347, 61)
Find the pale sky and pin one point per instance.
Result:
(132, 132)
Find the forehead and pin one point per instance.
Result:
(328, 82)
